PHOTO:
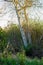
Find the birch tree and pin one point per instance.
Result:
(20, 7)
(21, 12)
(16, 2)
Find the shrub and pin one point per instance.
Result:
(20, 59)
(33, 51)
(3, 41)
(14, 36)
(10, 35)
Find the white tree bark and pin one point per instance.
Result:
(21, 30)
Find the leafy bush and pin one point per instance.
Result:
(14, 37)
(36, 30)
(33, 51)
(3, 41)
(20, 59)
(10, 37)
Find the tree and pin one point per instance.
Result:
(20, 7)
(21, 10)
(21, 29)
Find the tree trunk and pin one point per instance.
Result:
(28, 33)
(21, 30)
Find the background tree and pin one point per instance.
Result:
(22, 16)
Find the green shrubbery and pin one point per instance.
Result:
(3, 40)
(20, 59)
(14, 36)
(10, 37)
(36, 30)
(34, 51)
